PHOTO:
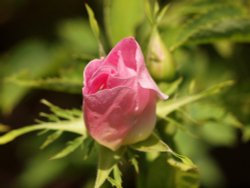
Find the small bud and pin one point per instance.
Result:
(159, 59)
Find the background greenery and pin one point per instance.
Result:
(45, 46)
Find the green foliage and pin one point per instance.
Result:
(166, 107)
(117, 180)
(186, 124)
(130, 18)
(72, 34)
(95, 28)
(155, 144)
(51, 138)
(56, 84)
(183, 164)
(71, 146)
(107, 163)
(61, 120)
(235, 30)
(209, 22)
(32, 58)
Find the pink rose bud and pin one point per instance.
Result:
(119, 97)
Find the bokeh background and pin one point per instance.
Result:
(41, 30)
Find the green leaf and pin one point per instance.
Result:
(187, 175)
(187, 179)
(88, 147)
(166, 107)
(161, 14)
(178, 125)
(155, 144)
(122, 22)
(185, 165)
(148, 11)
(93, 23)
(77, 37)
(235, 30)
(56, 84)
(203, 112)
(71, 146)
(106, 163)
(75, 126)
(51, 138)
(177, 164)
(206, 20)
(62, 120)
(62, 113)
(135, 164)
(170, 88)
(151, 144)
(95, 28)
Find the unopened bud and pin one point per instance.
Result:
(159, 59)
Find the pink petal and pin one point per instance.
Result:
(120, 116)
(133, 58)
(109, 115)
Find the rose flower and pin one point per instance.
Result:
(119, 97)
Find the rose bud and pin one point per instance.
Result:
(119, 97)
(159, 59)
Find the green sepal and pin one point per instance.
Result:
(107, 161)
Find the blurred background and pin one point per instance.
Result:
(52, 37)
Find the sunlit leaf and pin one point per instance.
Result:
(186, 164)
